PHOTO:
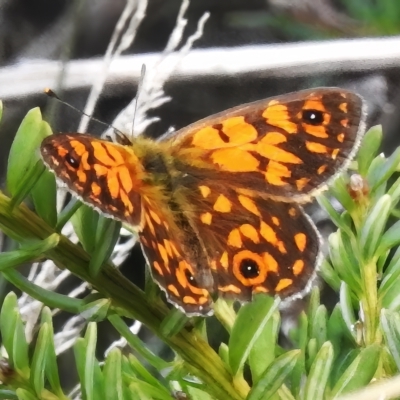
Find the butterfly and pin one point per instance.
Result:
(218, 204)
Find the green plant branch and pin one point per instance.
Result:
(23, 225)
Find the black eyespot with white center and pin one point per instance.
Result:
(313, 117)
(191, 279)
(72, 161)
(249, 268)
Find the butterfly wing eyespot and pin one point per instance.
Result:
(313, 117)
(249, 268)
(72, 161)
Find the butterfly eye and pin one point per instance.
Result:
(73, 162)
(249, 268)
(313, 117)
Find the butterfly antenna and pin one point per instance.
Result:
(51, 94)
(139, 91)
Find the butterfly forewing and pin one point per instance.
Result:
(286, 147)
(104, 175)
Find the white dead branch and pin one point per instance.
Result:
(279, 60)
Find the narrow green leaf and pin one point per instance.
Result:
(347, 308)
(284, 393)
(369, 148)
(28, 181)
(52, 299)
(253, 316)
(80, 356)
(388, 291)
(96, 311)
(337, 331)
(394, 192)
(90, 375)
(44, 196)
(141, 372)
(90, 342)
(394, 262)
(344, 261)
(339, 189)
(173, 323)
(137, 345)
(374, 170)
(197, 394)
(1, 110)
(319, 373)
(329, 275)
(107, 235)
(85, 222)
(312, 350)
(386, 170)
(136, 394)
(389, 239)
(20, 349)
(319, 326)
(326, 204)
(45, 191)
(112, 376)
(359, 373)
(8, 395)
(372, 229)
(263, 352)
(25, 395)
(274, 376)
(38, 366)
(343, 361)
(51, 358)
(313, 306)
(148, 391)
(390, 323)
(11, 259)
(223, 352)
(23, 153)
(8, 321)
(302, 340)
(382, 262)
(67, 212)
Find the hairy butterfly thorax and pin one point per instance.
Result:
(217, 205)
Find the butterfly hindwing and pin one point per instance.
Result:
(177, 262)
(255, 245)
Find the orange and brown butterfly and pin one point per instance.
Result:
(217, 205)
